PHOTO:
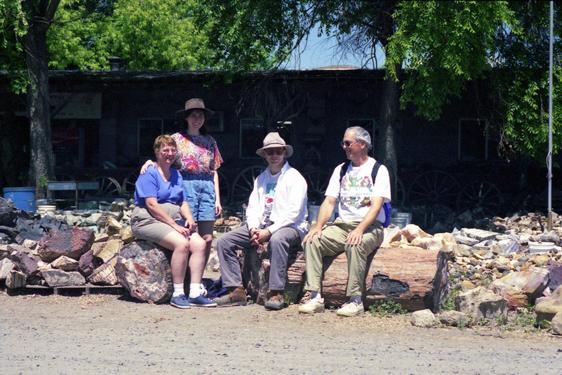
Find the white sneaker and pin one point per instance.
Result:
(314, 305)
(351, 309)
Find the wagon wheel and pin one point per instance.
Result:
(108, 187)
(128, 185)
(244, 183)
(224, 188)
(481, 194)
(434, 187)
(317, 181)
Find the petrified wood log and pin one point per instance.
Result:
(414, 277)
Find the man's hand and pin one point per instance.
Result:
(312, 233)
(354, 237)
(263, 235)
(254, 234)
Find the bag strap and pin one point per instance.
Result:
(343, 169)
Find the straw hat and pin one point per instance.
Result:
(191, 105)
(274, 140)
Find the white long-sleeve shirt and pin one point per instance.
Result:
(289, 202)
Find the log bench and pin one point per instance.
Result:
(415, 278)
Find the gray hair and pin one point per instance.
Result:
(361, 134)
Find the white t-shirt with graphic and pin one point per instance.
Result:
(357, 190)
(270, 185)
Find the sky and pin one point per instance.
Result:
(322, 51)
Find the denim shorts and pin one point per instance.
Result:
(199, 191)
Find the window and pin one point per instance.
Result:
(75, 143)
(147, 131)
(473, 139)
(252, 132)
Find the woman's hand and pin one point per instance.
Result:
(218, 208)
(184, 231)
(147, 164)
(191, 224)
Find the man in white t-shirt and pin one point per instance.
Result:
(358, 231)
(275, 215)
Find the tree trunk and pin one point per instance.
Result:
(391, 93)
(35, 46)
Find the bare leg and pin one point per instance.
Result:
(179, 245)
(197, 260)
(205, 229)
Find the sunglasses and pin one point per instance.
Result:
(275, 151)
(347, 143)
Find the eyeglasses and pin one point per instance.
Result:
(346, 144)
(274, 151)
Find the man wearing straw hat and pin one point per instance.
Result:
(275, 215)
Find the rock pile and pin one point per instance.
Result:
(512, 264)
(50, 251)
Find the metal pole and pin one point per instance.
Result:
(549, 156)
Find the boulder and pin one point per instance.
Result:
(547, 307)
(412, 231)
(23, 261)
(143, 269)
(531, 282)
(16, 279)
(72, 243)
(454, 318)
(479, 234)
(56, 278)
(65, 263)
(88, 263)
(424, 318)
(556, 324)
(481, 303)
(105, 274)
(126, 235)
(108, 250)
(515, 297)
(6, 266)
(554, 275)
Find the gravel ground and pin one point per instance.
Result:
(110, 334)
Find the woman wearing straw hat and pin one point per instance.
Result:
(199, 159)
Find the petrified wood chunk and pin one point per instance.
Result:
(73, 243)
(414, 277)
(143, 269)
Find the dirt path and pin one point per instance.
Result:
(106, 334)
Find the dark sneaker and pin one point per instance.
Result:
(236, 297)
(275, 302)
(181, 302)
(202, 301)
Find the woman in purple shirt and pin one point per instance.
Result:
(162, 215)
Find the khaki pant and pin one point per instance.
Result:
(332, 243)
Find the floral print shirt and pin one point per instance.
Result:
(197, 154)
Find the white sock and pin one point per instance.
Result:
(194, 290)
(178, 290)
(315, 295)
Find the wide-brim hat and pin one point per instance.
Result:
(191, 105)
(274, 140)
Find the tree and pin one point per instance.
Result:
(25, 25)
(440, 44)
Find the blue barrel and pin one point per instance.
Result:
(23, 197)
